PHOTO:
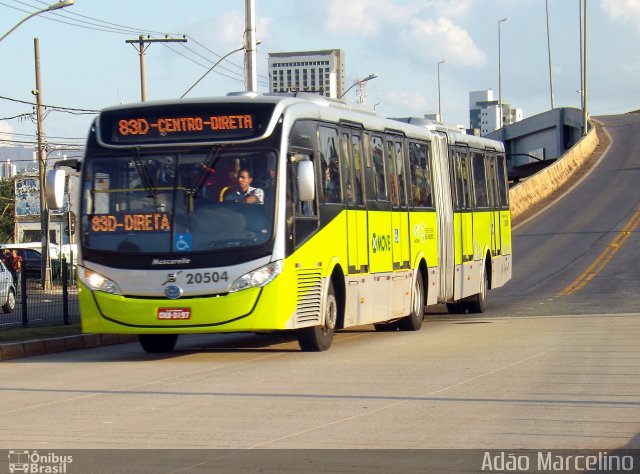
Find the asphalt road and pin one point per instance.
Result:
(554, 363)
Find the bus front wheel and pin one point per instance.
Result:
(318, 338)
(157, 343)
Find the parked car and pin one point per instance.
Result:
(32, 260)
(7, 290)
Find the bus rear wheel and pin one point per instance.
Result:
(478, 302)
(319, 338)
(413, 322)
(158, 343)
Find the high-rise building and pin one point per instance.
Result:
(320, 72)
(475, 109)
(7, 170)
(484, 113)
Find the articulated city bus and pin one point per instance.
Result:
(354, 219)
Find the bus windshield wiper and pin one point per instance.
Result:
(143, 171)
(208, 164)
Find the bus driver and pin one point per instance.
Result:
(244, 192)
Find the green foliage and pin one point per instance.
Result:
(7, 210)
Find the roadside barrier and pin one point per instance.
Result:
(38, 306)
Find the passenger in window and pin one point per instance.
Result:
(331, 184)
(417, 195)
(270, 179)
(244, 192)
(217, 180)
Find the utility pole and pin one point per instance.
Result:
(142, 45)
(45, 277)
(251, 73)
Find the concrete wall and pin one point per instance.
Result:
(554, 132)
(540, 185)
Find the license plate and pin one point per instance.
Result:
(174, 313)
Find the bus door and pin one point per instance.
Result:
(494, 203)
(379, 225)
(483, 223)
(353, 185)
(503, 199)
(398, 196)
(463, 205)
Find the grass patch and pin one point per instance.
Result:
(41, 332)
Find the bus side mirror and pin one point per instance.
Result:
(54, 188)
(306, 181)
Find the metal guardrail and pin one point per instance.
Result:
(36, 306)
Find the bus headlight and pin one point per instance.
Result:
(257, 278)
(97, 282)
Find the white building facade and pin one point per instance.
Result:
(484, 112)
(7, 170)
(320, 72)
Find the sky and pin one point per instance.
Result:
(86, 63)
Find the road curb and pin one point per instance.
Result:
(18, 350)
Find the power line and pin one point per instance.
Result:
(15, 116)
(50, 106)
(109, 27)
(29, 135)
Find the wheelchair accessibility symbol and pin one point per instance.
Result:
(182, 242)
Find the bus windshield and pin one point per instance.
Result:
(197, 200)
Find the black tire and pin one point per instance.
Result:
(478, 302)
(319, 338)
(458, 307)
(10, 304)
(413, 322)
(158, 343)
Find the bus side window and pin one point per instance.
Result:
(329, 165)
(463, 184)
(393, 177)
(479, 180)
(420, 182)
(377, 156)
(345, 162)
(399, 157)
(356, 148)
(492, 185)
(501, 176)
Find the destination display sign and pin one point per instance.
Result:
(125, 222)
(183, 123)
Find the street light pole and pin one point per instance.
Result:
(585, 114)
(500, 74)
(52, 7)
(549, 51)
(439, 104)
(359, 81)
(250, 43)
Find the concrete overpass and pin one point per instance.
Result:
(547, 149)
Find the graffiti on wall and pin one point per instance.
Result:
(27, 191)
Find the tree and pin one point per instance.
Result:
(7, 209)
